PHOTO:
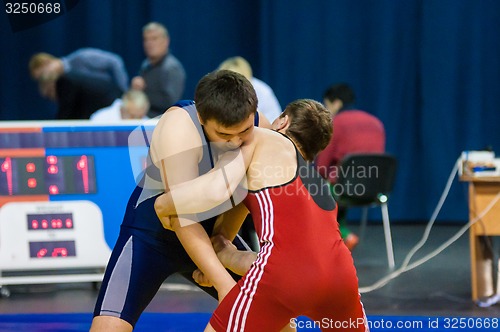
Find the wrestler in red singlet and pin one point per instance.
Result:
(316, 279)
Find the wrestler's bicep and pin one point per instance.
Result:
(176, 147)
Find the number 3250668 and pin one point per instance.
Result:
(32, 8)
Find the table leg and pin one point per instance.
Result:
(481, 266)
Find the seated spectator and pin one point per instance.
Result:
(268, 103)
(162, 76)
(133, 105)
(354, 131)
(92, 62)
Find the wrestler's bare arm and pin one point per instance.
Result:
(238, 261)
(229, 223)
(176, 150)
(208, 190)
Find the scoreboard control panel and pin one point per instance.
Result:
(52, 235)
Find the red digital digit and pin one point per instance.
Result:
(45, 224)
(34, 224)
(82, 165)
(6, 167)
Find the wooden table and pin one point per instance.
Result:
(482, 191)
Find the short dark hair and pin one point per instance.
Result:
(340, 91)
(226, 97)
(310, 126)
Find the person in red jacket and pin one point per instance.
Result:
(354, 131)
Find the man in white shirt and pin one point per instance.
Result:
(133, 105)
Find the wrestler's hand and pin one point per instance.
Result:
(224, 249)
(238, 261)
(201, 279)
(165, 220)
(167, 223)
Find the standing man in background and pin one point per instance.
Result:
(80, 83)
(91, 62)
(162, 76)
(354, 131)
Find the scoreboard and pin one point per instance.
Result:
(64, 186)
(47, 175)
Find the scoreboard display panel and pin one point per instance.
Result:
(64, 186)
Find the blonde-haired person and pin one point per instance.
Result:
(133, 105)
(268, 103)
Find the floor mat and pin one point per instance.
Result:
(189, 322)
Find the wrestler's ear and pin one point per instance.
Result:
(282, 123)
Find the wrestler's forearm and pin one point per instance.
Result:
(199, 248)
(229, 223)
(242, 262)
(238, 261)
(206, 191)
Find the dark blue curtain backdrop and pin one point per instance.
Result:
(430, 69)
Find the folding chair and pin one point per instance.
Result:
(365, 180)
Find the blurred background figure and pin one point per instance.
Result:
(77, 95)
(133, 105)
(162, 76)
(354, 131)
(81, 83)
(91, 62)
(268, 103)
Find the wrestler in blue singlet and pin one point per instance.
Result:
(145, 253)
